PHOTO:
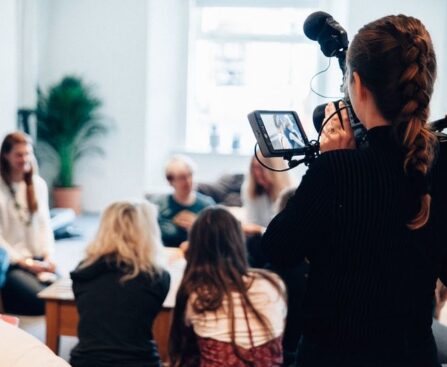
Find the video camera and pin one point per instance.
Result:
(280, 133)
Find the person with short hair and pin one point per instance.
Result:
(226, 314)
(178, 211)
(25, 229)
(119, 289)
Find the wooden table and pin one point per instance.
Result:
(62, 316)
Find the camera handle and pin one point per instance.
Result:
(312, 152)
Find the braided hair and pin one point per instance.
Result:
(395, 60)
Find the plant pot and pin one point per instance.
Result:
(67, 197)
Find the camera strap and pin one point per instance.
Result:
(337, 109)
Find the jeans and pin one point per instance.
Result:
(4, 265)
(20, 293)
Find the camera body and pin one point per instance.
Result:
(271, 137)
(279, 133)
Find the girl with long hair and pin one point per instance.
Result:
(365, 218)
(226, 314)
(119, 289)
(261, 189)
(259, 192)
(25, 230)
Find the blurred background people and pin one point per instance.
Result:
(178, 211)
(261, 189)
(259, 192)
(25, 230)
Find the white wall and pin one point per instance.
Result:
(28, 46)
(166, 85)
(105, 42)
(8, 66)
(433, 13)
(136, 53)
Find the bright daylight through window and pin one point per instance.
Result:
(242, 59)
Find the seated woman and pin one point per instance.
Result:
(261, 189)
(260, 192)
(226, 314)
(119, 289)
(178, 211)
(25, 231)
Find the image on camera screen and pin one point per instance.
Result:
(283, 131)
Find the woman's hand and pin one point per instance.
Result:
(334, 135)
(251, 229)
(37, 266)
(50, 264)
(184, 246)
(32, 266)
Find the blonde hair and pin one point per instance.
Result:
(129, 235)
(278, 180)
(174, 162)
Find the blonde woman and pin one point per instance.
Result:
(119, 289)
(261, 189)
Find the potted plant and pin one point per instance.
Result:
(68, 128)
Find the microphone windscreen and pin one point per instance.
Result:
(314, 23)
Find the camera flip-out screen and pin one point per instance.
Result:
(278, 133)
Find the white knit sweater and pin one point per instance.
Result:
(19, 239)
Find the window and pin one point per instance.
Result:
(244, 58)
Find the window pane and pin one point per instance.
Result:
(254, 21)
(244, 59)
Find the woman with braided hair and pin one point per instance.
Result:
(369, 220)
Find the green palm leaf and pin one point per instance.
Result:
(69, 124)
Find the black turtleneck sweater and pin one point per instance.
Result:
(371, 280)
